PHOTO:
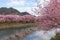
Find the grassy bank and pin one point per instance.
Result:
(13, 25)
(57, 37)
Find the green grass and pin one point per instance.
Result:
(12, 23)
(57, 37)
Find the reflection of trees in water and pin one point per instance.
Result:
(16, 32)
(42, 35)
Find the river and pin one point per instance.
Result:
(6, 33)
(36, 35)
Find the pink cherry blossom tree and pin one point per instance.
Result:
(29, 18)
(2, 18)
(50, 15)
(17, 18)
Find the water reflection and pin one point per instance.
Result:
(41, 35)
(37, 35)
(5, 33)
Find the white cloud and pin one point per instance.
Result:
(27, 9)
(35, 4)
(16, 2)
(13, 3)
(23, 9)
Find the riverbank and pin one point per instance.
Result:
(14, 25)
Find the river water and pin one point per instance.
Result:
(5, 33)
(37, 35)
(42, 35)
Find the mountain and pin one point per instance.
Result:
(24, 13)
(5, 11)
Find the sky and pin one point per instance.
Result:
(20, 5)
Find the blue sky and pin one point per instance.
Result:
(21, 5)
(18, 4)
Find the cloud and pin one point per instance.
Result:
(35, 4)
(23, 9)
(16, 2)
(27, 9)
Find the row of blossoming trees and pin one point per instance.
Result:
(18, 18)
(15, 18)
